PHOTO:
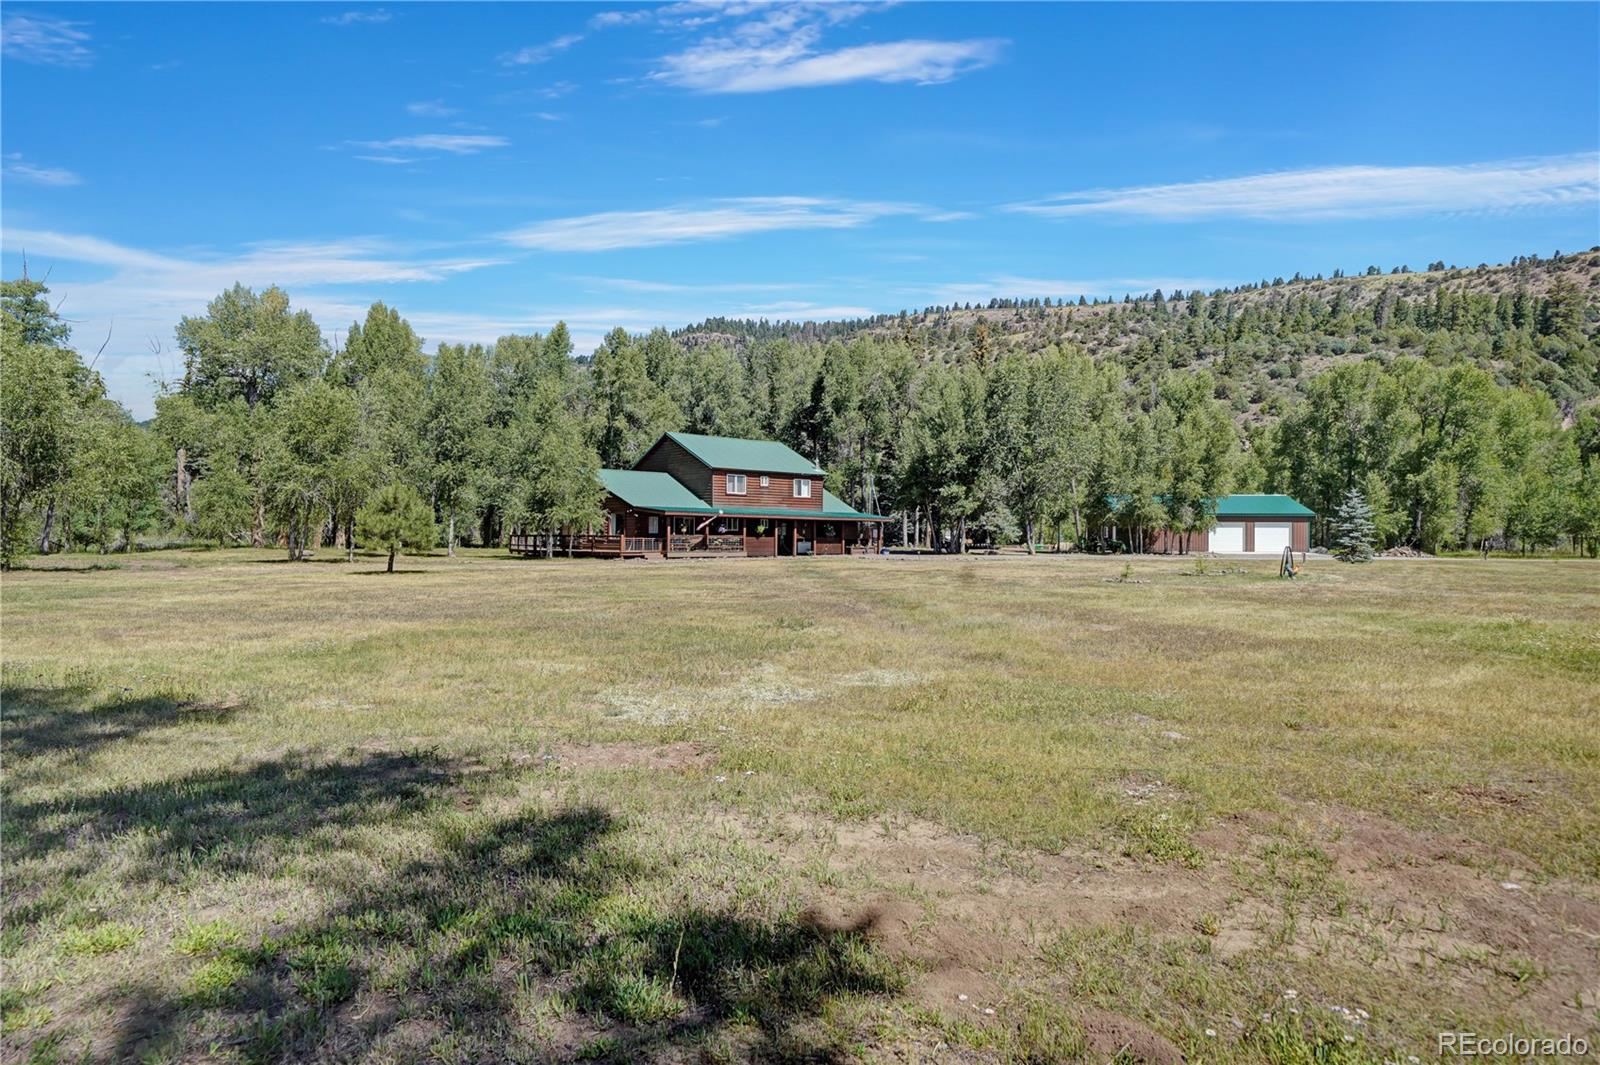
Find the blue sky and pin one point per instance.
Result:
(494, 168)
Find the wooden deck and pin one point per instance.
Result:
(676, 545)
(586, 544)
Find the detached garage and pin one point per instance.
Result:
(1246, 525)
(1259, 525)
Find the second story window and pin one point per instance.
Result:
(802, 488)
(736, 484)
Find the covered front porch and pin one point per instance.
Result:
(635, 533)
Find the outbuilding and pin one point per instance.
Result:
(1249, 524)
(1259, 525)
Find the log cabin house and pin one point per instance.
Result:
(702, 496)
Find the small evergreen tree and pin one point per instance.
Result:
(396, 520)
(1353, 529)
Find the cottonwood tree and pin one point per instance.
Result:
(458, 411)
(630, 411)
(315, 430)
(63, 444)
(247, 348)
(248, 345)
(556, 480)
(41, 391)
(113, 484)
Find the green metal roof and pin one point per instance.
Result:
(646, 490)
(834, 507)
(1260, 506)
(652, 491)
(731, 453)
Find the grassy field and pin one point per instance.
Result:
(908, 809)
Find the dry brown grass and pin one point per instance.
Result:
(1172, 800)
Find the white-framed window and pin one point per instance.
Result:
(655, 525)
(615, 521)
(802, 488)
(736, 484)
(766, 482)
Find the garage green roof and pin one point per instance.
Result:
(647, 490)
(1260, 506)
(732, 453)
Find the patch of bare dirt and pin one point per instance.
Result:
(667, 756)
(988, 908)
(1113, 1037)
(954, 958)
(1005, 890)
(1456, 908)
(1420, 902)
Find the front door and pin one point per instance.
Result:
(785, 543)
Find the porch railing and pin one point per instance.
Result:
(585, 543)
(688, 543)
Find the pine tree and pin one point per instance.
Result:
(397, 519)
(1353, 531)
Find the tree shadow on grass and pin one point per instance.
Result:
(538, 935)
(231, 819)
(43, 721)
(533, 937)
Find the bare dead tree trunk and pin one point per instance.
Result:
(450, 537)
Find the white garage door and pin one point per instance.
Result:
(1272, 537)
(1228, 537)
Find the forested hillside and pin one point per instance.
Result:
(1264, 341)
(1458, 403)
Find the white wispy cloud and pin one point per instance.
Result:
(19, 169)
(686, 223)
(267, 263)
(1339, 192)
(767, 47)
(431, 109)
(356, 17)
(454, 143)
(723, 69)
(539, 53)
(144, 292)
(44, 39)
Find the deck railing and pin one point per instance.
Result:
(691, 543)
(584, 544)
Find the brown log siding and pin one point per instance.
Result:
(778, 493)
(672, 458)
